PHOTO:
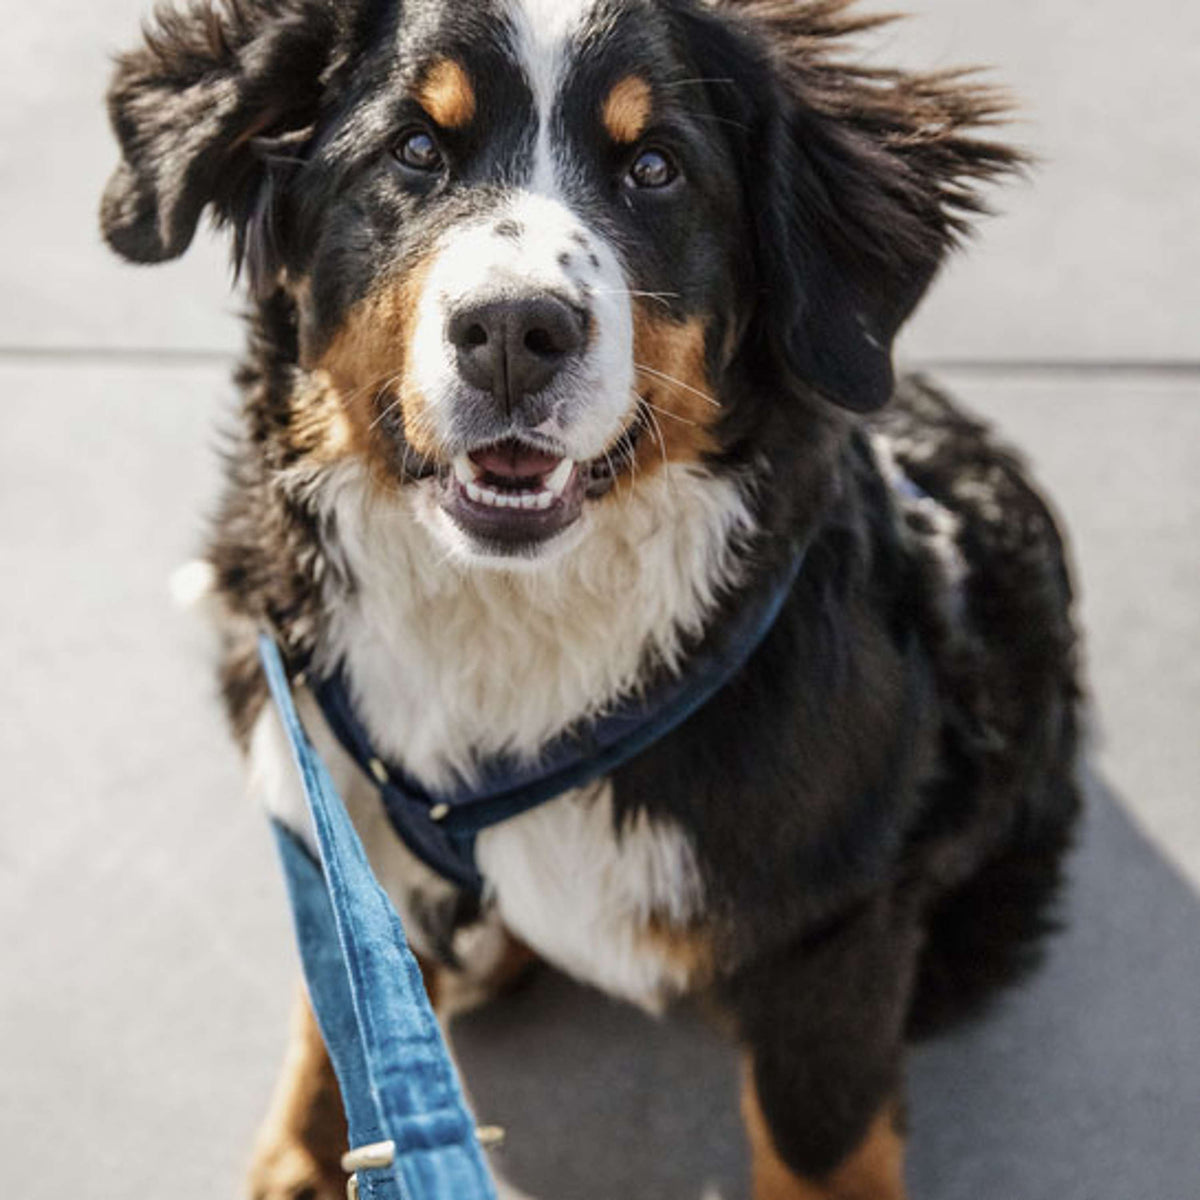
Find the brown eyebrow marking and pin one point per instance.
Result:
(626, 111)
(446, 94)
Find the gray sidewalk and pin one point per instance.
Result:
(147, 962)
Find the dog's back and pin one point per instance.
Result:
(1007, 664)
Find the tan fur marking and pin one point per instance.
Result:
(431, 977)
(461, 992)
(303, 1138)
(511, 967)
(446, 94)
(671, 377)
(321, 428)
(626, 111)
(873, 1171)
(366, 364)
(688, 949)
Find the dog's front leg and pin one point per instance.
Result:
(823, 1028)
(299, 1148)
(298, 1152)
(297, 1155)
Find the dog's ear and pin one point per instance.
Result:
(858, 181)
(192, 108)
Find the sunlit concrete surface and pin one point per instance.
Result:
(1117, 455)
(145, 957)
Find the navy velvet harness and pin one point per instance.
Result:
(440, 827)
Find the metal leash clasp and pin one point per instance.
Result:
(366, 1158)
(383, 1154)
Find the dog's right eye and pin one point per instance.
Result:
(417, 151)
(652, 169)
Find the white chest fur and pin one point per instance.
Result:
(450, 661)
(561, 877)
(582, 893)
(447, 663)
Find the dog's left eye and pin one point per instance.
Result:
(652, 169)
(418, 151)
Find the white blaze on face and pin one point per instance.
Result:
(534, 243)
(544, 30)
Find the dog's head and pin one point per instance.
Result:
(531, 244)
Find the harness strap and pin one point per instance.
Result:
(397, 1081)
(440, 827)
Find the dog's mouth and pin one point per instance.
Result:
(512, 494)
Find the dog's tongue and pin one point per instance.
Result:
(511, 460)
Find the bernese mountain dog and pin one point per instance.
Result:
(570, 336)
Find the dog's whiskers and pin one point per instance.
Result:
(666, 412)
(701, 116)
(612, 469)
(379, 382)
(699, 80)
(656, 430)
(383, 386)
(671, 380)
(662, 298)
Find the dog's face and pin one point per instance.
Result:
(534, 244)
(525, 263)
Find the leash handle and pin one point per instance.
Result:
(397, 1081)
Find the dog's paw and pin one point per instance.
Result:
(468, 956)
(287, 1171)
(494, 961)
(439, 914)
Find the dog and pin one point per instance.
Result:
(571, 330)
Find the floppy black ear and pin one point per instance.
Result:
(191, 108)
(859, 182)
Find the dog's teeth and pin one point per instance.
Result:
(557, 479)
(464, 471)
(533, 501)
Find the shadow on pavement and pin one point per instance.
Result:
(1083, 1085)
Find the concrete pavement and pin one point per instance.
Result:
(147, 962)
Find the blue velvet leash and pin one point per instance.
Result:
(397, 1081)
(398, 1085)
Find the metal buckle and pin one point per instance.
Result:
(383, 1154)
(490, 1136)
(366, 1158)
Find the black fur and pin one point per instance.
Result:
(880, 801)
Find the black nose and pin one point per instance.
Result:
(513, 348)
